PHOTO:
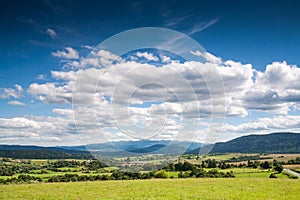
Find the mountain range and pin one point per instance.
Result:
(270, 143)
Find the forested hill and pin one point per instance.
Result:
(36, 152)
(269, 143)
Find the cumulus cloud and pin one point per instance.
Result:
(265, 125)
(113, 98)
(245, 88)
(165, 59)
(207, 56)
(37, 130)
(51, 33)
(50, 93)
(146, 55)
(69, 53)
(275, 90)
(15, 92)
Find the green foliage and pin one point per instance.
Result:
(42, 154)
(278, 167)
(183, 175)
(252, 164)
(95, 164)
(160, 174)
(265, 165)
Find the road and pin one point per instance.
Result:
(291, 172)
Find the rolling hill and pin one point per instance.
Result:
(269, 143)
(37, 152)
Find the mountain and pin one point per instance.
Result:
(269, 143)
(129, 148)
(120, 148)
(152, 148)
(37, 152)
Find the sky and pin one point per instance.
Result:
(71, 72)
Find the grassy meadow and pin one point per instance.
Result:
(207, 188)
(248, 182)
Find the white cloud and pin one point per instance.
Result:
(38, 130)
(87, 47)
(66, 112)
(263, 126)
(165, 59)
(18, 122)
(245, 88)
(207, 56)
(146, 55)
(67, 76)
(275, 90)
(196, 53)
(12, 92)
(103, 87)
(69, 53)
(16, 103)
(50, 93)
(51, 33)
(41, 77)
(212, 58)
(202, 26)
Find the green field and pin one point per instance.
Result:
(32, 180)
(239, 188)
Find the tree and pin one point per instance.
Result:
(160, 174)
(278, 168)
(272, 176)
(265, 165)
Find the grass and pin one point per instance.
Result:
(173, 174)
(238, 188)
(220, 157)
(5, 177)
(253, 173)
(44, 177)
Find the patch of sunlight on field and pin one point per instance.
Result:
(158, 189)
(172, 174)
(220, 157)
(5, 177)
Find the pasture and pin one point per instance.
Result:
(206, 188)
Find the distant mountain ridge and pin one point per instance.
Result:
(120, 148)
(129, 148)
(283, 142)
(37, 152)
(269, 143)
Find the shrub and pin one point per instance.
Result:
(160, 174)
(272, 176)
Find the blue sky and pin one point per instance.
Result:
(35, 34)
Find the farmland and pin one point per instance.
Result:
(226, 165)
(190, 177)
(207, 188)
